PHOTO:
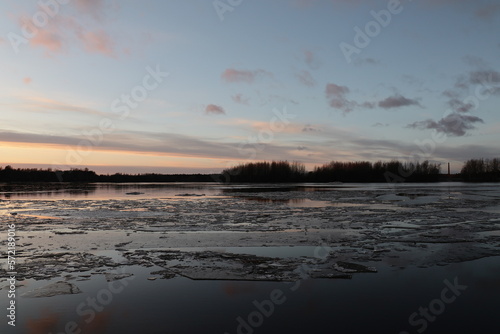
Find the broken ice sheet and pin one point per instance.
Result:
(362, 220)
(210, 265)
(115, 277)
(50, 265)
(53, 289)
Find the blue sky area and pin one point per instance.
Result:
(197, 86)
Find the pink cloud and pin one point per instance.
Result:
(333, 90)
(49, 40)
(234, 75)
(311, 59)
(214, 109)
(98, 42)
(27, 80)
(67, 29)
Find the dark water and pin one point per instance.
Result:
(368, 303)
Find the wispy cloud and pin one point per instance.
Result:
(49, 39)
(485, 78)
(98, 42)
(454, 124)
(168, 144)
(233, 75)
(456, 104)
(459, 122)
(42, 104)
(239, 98)
(310, 128)
(336, 91)
(82, 23)
(91, 7)
(312, 147)
(291, 128)
(481, 80)
(397, 101)
(488, 11)
(475, 61)
(366, 61)
(306, 78)
(214, 110)
(336, 95)
(338, 99)
(311, 59)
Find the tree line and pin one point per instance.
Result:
(9, 174)
(481, 170)
(275, 171)
(335, 171)
(473, 170)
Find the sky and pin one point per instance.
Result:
(198, 86)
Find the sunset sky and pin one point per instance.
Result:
(200, 85)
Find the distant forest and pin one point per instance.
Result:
(335, 171)
(9, 174)
(481, 170)
(474, 170)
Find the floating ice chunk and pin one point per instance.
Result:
(114, 277)
(68, 231)
(392, 197)
(348, 267)
(54, 289)
(187, 194)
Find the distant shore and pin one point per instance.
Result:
(474, 170)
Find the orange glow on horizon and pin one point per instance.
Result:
(66, 157)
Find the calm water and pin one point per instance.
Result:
(153, 190)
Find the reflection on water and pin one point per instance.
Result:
(298, 202)
(282, 187)
(102, 190)
(150, 190)
(39, 216)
